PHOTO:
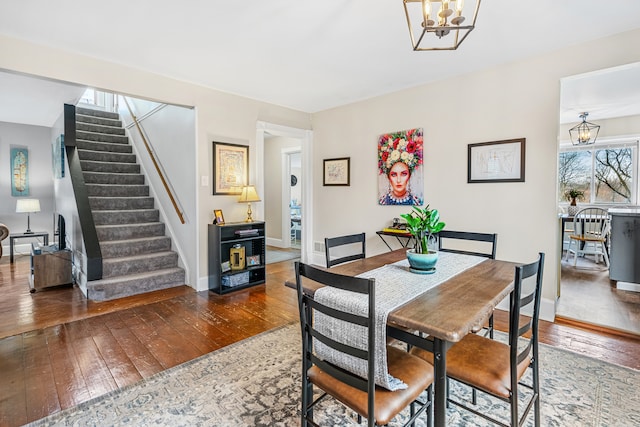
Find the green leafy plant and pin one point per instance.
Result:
(573, 194)
(423, 223)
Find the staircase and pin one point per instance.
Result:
(137, 256)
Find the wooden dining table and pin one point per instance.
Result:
(445, 313)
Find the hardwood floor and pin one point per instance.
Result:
(57, 349)
(587, 295)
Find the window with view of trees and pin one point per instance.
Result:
(605, 175)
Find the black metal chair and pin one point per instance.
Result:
(486, 248)
(496, 368)
(356, 240)
(446, 236)
(378, 405)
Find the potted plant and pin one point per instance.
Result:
(573, 194)
(423, 224)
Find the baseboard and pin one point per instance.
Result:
(560, 320)
(278, 243)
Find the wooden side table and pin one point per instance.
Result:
(13, 237)
(49, 267)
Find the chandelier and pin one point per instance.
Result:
(582, 134)
(438, 24)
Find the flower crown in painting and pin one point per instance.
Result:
(404, 146)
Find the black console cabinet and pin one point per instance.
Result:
(222, 238)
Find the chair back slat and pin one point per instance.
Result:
(591, 222)
(445, 236)
(352, 242)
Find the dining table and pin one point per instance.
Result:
(441, 316)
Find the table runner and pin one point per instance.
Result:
(395, 285)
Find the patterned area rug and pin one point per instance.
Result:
(256, 382)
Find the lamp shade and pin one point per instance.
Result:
(27, 205)
(249, 194)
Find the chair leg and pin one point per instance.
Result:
(566, 257)
(605, 255)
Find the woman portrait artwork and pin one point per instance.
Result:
(400, 168)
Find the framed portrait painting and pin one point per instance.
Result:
(497, 161)
(400, 168)
(230, 167)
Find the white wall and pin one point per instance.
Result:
(510, 101)
(38, 141)
(170, 132)
(219, 116)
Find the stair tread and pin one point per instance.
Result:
(133, 276)
(139, 256)
(132, 241)
(141, 224)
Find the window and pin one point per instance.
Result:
(605, 173)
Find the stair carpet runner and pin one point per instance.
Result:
(137, 256)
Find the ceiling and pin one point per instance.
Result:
(306, 55)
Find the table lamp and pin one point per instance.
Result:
(248, 195)
(28, 206)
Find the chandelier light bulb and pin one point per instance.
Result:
(459, 6)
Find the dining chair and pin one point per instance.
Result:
(591, 228)
(446, 238)
(345, 248)
(470, 243)
(378, 405)
(497, 368)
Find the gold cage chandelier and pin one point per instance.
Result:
(438, 24)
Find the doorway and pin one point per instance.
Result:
(284, 168)
(585, 292)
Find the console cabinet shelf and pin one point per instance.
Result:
(222, 238)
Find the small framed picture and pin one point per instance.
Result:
(218, 218)
(336, 171)
(225, 266)
(253, 260)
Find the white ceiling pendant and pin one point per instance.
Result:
(440, 24)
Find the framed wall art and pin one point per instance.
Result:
(58, 157)
(336, 171)
(230, 167)
(400, 168)
(497, 161)
(19, 169)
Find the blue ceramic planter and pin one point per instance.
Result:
(422, 263)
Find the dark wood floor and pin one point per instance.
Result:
(57, 349)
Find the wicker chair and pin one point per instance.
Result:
(4, 233)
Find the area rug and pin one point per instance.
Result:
(256, 382)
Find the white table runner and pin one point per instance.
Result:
(395, 286)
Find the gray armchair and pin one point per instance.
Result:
(4, 233)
